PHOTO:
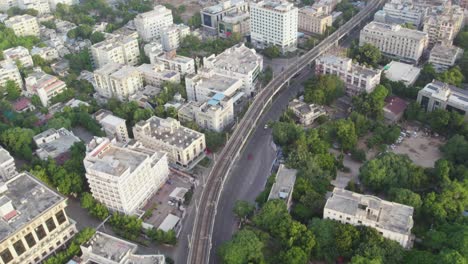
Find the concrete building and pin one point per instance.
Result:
(172, 35)
(20, 54)
(7, 165)
(401, 72)
(443, 57)
(124, 178)
(150, 24)
(24, 25)
(392, 220)
(237, 22)
(185, 147)
(284, 185)
(153, 50)
(7, 4)
(274, 23)
(34, 223)
(306, 113)
(400, 12)
(215, 114)
(106, 249)
(395, 41)
(439, 95)
(314, 20)
(42, 6)
(53, 143)
(156, 74)
(212, 15)
(115, 127)
(117, 80)
(357, 78)
(47, 53)
(327, 5)
(9, 71)
(202, 86)
(238, 62)
(44, 85)
(174, 62)
(116, 49)
(443, 24)
(394, 109)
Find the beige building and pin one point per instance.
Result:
(174, 62)
(9, 71)
(7, 165)
(314, 20)
(395, 41)
(439, 95)
(392, 220)
(115, 127)
(185, 147)
(400, 12)
(444, 57)
(124, 178)
(119, 81)
(306, 113)
(212, 15)
(44, 85)
(20, 54)
(443, 24)
(116, 49)
(172, 35)
(34, 223)
(202, 86)
(41, 6)
(236, 22)
(156, 74)
(150, 24)
(24, 25)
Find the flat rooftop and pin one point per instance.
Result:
(305, 108)
(113, 42)
(284, 184)
(4, 155)
(446, 52)
(399, 71)
(238, 59)
(223, 6)
(346, 63)
(446, 92)
(395, 30)
(61, 144)
(213, 82)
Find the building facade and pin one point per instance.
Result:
(54, 142)
(306, 113)
(117, 80)
(116, 49)
(443, 57)
(7, 165)
(156, 74)
(172, 35)
(20, 54)
(212, 15)
(150, 24)
(10, 72)
(115, 127)
(234, 23)
(314, 20)
(174, 62)
(44, 85)
(443, 24)
(400, 12)
(439, 95)
(24, 25)
(202, 86)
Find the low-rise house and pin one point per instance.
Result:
(444, 57)
(47, 53)
(54, 143)
(284, 185)
(23, 104)
(402, 72)
(61, 67)
(306, 113)
(440, 95)
(19, 54)
(394, 108)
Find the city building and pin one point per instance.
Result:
(439, 95)
(202, 86)
(117, 80)
(212, 15)
(150, 24)
(314, 20)
(392, 220)
(7, 4)
(20, 54)
(394, 109)
(274, 23)
(153, 50)
(9, 71)
(443, 24)
(23, 104)
(284, 185)
(41, 6)
(327, 5)
(53, 143)
(115, 127)
(443, 57)
(172, 35)
(174, 62)
(123, 178)
(34, 223)
(24, 25)
(239, 62)
(400, 12)
(395, 41)
(7, 165)
(143, 96)
(402, 72)
(47, 53)
(236, 22)
(106, 249)
(44, 85)
(357, 78)
(306, 113)
(116, 49)
(215, 114)
(156, 74)
(185, 147)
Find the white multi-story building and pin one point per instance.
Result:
(202, 86)
(150, 24)
(236, 22)
(172, 35)
(306, 113)
(400, 12)
(212, 15)
(357, 78)
(439, 95)
(156, 74)
(314, 20)
(274, 23)
(24, 25)
(124, 178)
(185, 147)
(46, 86)
(7, 165)
(117, 80)
(42, 6)
(444, 57)
(20, 54)
(215, 114)
(34, 221)
(174, 62)
(115, 127)
(53, 143)
(53, 3)
(238, 62)
(443, 24)
(392, 220)
(9, 71)
(116, 49)
(394, 40)
(47, 53)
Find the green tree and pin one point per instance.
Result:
(427, 74)
(18, 141)
(323, 89)
(245, 247)
(295, 255)
(405, 196)
(452, 76)
(96, 37)
(368, 54)
(346, 134)
(13, 90)
(243, 209)
(272, 52)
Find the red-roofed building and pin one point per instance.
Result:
(23, 104)
(394, 108)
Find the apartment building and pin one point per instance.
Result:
(392, 220)
(202, 86)
(106, 249)
(24, 25)
(150, 24)
(185, 147)
(400, 12)
(44, 85)
(115, 127)
(156, 74)
(47, 53)
(284, 185)
(443, 24)
(439, 95)
(238, 62)
(7, 4)
(357, 78)
(215, 114)
(274, 23)
(395, 41)
(443, 57)
(212, 15)
(174, 62)
(172, 35)
(306, 113)
(53, 143)
(236, 22)
(327, 5)
(314, 19)
(9, 71)
(7, 165)
(42, 6)
(117, 80)
(124, 178)
(18, 54)
(34, 223)
(116, 49)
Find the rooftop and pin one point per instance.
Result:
(305, 108)
(222, 6)
(54, 142)
(399, 71)
(4, 155)
(238, 59)
(395, 104)
(284, 183)
(210, 80)
(446, 52)
(156, 12)
(275, 5)
(19, 18)
(447, 92)
(394, 29)
(347, 64)
(113, 42)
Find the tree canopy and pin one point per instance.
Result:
(323, 89)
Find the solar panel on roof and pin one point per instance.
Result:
(218, 96)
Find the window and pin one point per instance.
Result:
(40, 232)
(30, 240)
(50, 224)
(19, 247)
(60, 217)
(6, 256)
(360, 222)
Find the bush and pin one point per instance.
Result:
(358, 155)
